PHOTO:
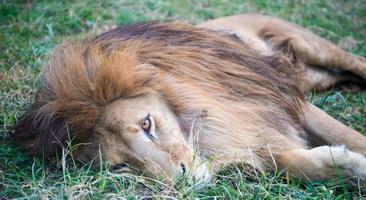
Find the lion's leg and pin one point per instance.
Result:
(324, 163)
(322, 125)
(310, 48)
(319, 79)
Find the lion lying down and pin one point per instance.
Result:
(170, 99)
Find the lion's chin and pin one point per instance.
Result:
(198, 175)
(201, 174)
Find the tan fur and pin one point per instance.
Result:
(248, 79)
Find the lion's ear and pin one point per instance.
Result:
(37, 131)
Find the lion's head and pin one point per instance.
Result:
(117, 108)
(143, 132)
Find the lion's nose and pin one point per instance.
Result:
(183, 168)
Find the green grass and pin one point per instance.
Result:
(30, 29)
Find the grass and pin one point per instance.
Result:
(30, 29)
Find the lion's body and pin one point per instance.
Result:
(250, 84)
(249, 103)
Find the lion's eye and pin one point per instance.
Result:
(146, 124)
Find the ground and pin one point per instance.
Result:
(29, 30)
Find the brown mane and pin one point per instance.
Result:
(193, 68)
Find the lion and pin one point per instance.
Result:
(171, 99)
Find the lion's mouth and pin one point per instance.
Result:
(200, 174)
